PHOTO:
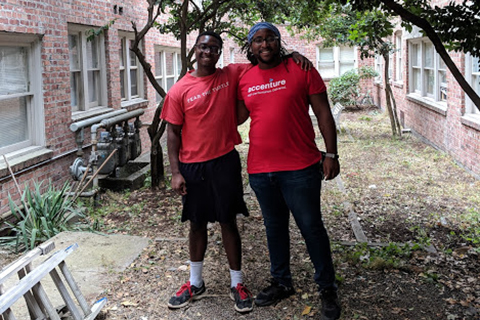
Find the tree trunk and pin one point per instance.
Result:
(157, 127)
(432, 35)
(155, 132)
(392, 113)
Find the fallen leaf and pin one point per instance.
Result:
(306, 310)
(129, 304)
(305, 296)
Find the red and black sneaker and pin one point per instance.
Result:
(185, 295)
(243, 298)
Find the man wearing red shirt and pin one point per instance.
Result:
(206, 169)
(202, 133)
(284, 164)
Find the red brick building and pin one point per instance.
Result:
(430, 102)
(51, 77)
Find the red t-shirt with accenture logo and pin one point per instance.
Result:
(205, 107)
(282, 137)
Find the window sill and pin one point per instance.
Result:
(134, 104)
(82, 115)
(24, 158)
(438, 107)
(472, 121)
(398, 84)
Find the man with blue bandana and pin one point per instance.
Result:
(206, 170)
(284, 164)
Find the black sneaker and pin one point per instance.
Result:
(330, 306)
(185, 295)
(273, 293)
(243, 298)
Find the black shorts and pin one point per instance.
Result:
(214, 189)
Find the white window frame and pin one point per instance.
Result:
(398, 57)
(162, 76)
(336, 62)
(438, 96)
(232, 55)
(129, 97)
(379, 68)
(82, 93)
(33, 95)
(473, 77)
(220, 63)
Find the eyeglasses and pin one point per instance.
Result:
(269, 40)
(208, 49)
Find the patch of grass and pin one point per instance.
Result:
(421, 235)
(45, 213)
(392, 256)
(470, 227)
(365, 118)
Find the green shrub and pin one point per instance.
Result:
(345, 89)
(48, 214)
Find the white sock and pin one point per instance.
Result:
(196, 268)
(236, 277)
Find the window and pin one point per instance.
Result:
(88, 81)
(21, 103)
(379, 68)
(168, 65)
(428, 74)
(473, 75)
(220, 63)
(398, 57)
(131, 75)
(232, 55)
(333, 62)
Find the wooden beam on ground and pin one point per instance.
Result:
(429, 248)
(352, 215)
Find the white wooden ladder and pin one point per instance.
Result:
(30, 288)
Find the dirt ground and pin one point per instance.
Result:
(418, 209)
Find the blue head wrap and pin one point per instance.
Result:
(262, 25)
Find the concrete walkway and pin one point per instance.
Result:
(94, 265)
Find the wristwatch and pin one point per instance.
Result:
(331, 155)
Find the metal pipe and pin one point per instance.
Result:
(123, 117)
(88, 122)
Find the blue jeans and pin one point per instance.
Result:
(297, 191)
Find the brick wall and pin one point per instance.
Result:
(50, 19)
(447, 129)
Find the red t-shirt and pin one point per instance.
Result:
(282, 137)
(206, 109)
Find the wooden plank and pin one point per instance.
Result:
(72, 307)
(352, 215)
(97, 306)
(32, 304)
(41, 296)
(21, 262)
(25, 284)
(8, 314)
(75, 289)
